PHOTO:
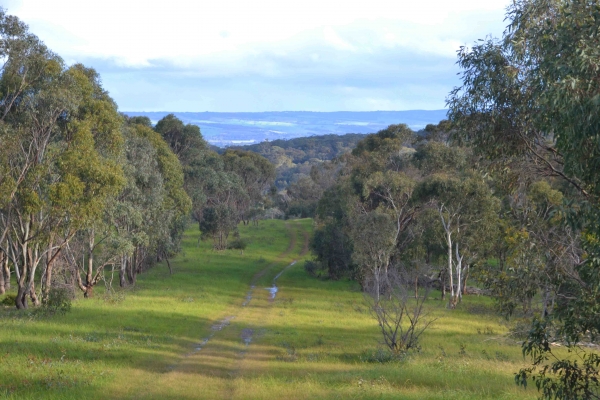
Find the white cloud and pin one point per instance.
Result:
(137, 31)
(234, 55)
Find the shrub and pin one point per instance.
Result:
(311, 268)
(114, 296)
(57, 302)
(401, 317)
(9, 300)
(238, 244)
(382, 356)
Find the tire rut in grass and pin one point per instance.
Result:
(261, 316)
(224, 322)
(306, 238)
(290, 248)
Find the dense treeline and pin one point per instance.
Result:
(302, 178)
(86, 192)
(407, 201)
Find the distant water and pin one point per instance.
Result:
(225, 129)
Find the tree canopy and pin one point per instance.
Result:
(529, 104)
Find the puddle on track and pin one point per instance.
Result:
(248, 296)
(203, 343)
(219, 326)
(247, 335)
(272, 292)
(222, 324)
(274, 289)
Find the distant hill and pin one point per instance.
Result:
(299, 150)
(227, 129)
(295, 157)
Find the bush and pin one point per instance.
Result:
(238, 244)
(58, 301)
(9, 300)
(401, 317)
(312, 268)
(382, 356)
(114, 296)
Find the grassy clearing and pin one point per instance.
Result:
(188, 336)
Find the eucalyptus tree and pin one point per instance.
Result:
(168, 212)
(136, 214)
(205, 181)
(27, 65)
(302, 197)
(64, 131)
(256, 174)
(4, 276)
(133, 222)
(426, 252)
(223, 188)
(226, 200)
(184, 140)
(77, 186)
(534, 94)
(378, 184)
(538, 250)
(89, 169)
(332, 244)
(374, 236)
(465, 206)
(467, 211)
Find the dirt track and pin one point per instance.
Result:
(224, 354)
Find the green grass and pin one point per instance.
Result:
(315, 340)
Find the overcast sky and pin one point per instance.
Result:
(266, 55)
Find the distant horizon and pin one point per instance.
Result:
(286, 111)
(222, 128)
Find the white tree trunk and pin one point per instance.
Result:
(448, 231)
(459, 268)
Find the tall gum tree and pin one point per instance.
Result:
(467, 209)
(535, 94)
(65, 131)
(167, 231)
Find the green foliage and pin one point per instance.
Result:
(387, 140)
(256, 172)
(434, 157)
(529, 103)
(238, 244)
(184, 140)
(9, 300)
(63, 133)
(58, 301)
(311, 268)
(385, 180)
(331, 243)
(562, 378)
(294, 158)
(382, 356)
(224, 189)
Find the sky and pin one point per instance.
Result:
(266, 55)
